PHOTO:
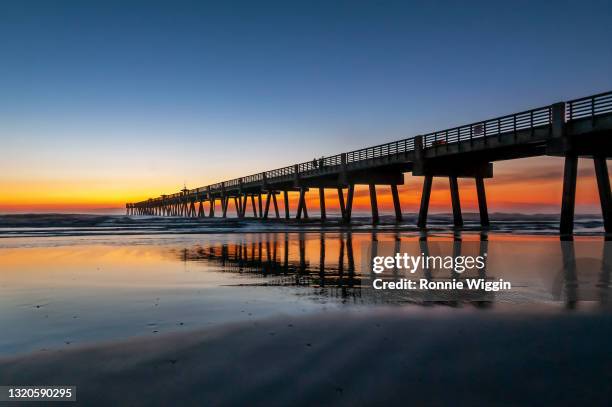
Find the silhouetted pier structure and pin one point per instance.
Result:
(576, 128)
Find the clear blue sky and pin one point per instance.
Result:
(201, 91)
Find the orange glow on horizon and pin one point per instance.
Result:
(515, 187)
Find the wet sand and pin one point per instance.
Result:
(387, 356)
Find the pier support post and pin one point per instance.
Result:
(568, 199)
(301, 200)
(286, 197)
(605, 196)
(341, 201)
(211, 211)
(349, 202)
(322, 203)
(482, 202)
(396, 203)
(237, 205)
(374, 204)
(201, 210)
(456, 202)
(245, 199)
(268, 197)
(275, 205)
(260, 205)
(224, 201)
(253, 205)
(422, 222)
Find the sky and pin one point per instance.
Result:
(103, 103)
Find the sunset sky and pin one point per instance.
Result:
(102, 104)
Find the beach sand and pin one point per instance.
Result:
(376, 357)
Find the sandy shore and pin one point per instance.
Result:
(367, 358)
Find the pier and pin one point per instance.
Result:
(579, 128)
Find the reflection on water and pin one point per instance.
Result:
(283, 260)
(65, 291)
(541, 270)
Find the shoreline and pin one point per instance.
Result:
(60, 225)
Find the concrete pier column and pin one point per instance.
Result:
(275, 205)
(456, 202)
(238, 207)
(268, 197)
(422, 222)
(322, 203)
(301, 201)
(349, 202)
(211, 211)
(253, 205)
(224, 202)
(374, 204)
(341, 201)
(568, 199)
(304, 206)
(245, 199)
(201, 209)
(286, 198)
(260, 205)
(605, 196)
(482, 202)
(396, 203)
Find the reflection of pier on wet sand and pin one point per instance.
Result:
(333, 265)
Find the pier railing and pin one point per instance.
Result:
(589, 106)
(529, 119)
